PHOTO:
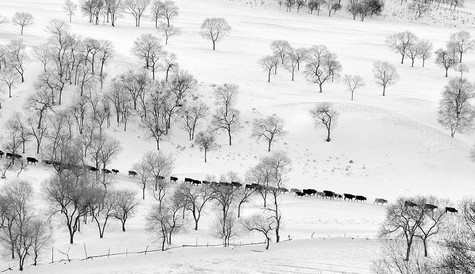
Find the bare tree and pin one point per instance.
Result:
(291, 63)
(322, 66)
(113, 10)
(385, 74)
(169, 64)
(226, 117)
(17, 56)
(353, 82)
(206, 140)
(413, 53)
(136, 8)
(143, 173)
(401, 41)
(281, 49)
(125, 206)
(325, 115)
(154, 121)
(262, 224)
(269, 63)
(102, 209)
(169, 11)
(159, 167)
(433, 221)
(148, 48)
(41, 102)
(461, 42)
(22, 19)
(214, 29)
(37, 133)
(456, 113)
(156, 12)
(165, 220)
(9, 77)
(270, 129)
(424, 50)
(168, 31)
(244, 196)
(403, 219)
(196, 198)
(191, 115)
(70, 8)
(446, 59)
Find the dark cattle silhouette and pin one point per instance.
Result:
(106, 171)
(309, 191)
(380, 201)
(48, 162)
(132, 173)
(17, 156)
(409, 204)
(115, 171)
(206, 182)
(430, 207)
(93, 168)
(9, 155)
(451, 209)
(299, 193)
(236, 184)
(188, 180)
(283, 190)
(328, 194)
(360, 198)
(348, 196)
(196, 182)
(174, 179)
(31, 160)
(1, 153)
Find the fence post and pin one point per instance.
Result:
(109, 253)
(146, 249)
(52, 255)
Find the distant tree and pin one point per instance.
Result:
(17, 56)
(461, 42)
(353, 82)
(325, 115)
(262, 224)
(147, 47)
(114, 9)
(169, 64)
(244, 196)
(156, 12)
(226, 117)
(206, 141)
(433, 222)
(22, 19)
(385, 74)
(270, 129)
(291, 64)
(424, 50)
(169, 11)
(333, 6)
(281, 49)
(9, 77)
(269, 63)
(446, 59)
(322, 66)
(413, 53)
(215, 29)
(419, 7)
(300, 55)
(401, 41)
(136, 8)
(70, 8)
(456, 113)
(159, 167)
(191, 115)
(168, 31)
(102, 207)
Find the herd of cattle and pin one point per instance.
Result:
(326, 194)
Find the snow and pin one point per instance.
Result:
(382, 146)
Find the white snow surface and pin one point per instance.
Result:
(395, 143)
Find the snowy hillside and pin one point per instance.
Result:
(382, 147)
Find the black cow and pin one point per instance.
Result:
(360, 198)
(93, 168)
(106, 171)
(206, 182)
(9, 155)
(1, 154)
(31, 160)
(196, 182)
(236, 184)
(409, 204)
(451, 210)
(348, 196)
(188, 180)
(299, 193)
(309, 191)
(380, 201)
(328, 194)
(132, 173)
(430, 207)
(48, 162)
(174, 179)
(115, 171)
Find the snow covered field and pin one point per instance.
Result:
(382, 146)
